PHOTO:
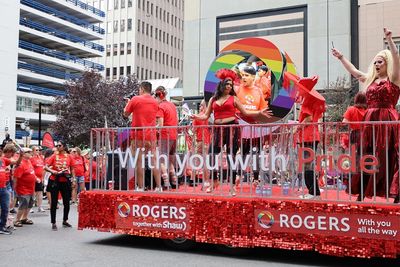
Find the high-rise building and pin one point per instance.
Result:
(54, 43)
(143, 37)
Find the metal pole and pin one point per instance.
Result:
(40, 123)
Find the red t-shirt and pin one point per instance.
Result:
(308, 133)
(38, 165)
(4, 171)
(251, 98)
(202, 133)
(167, 111)
(354, 114)
(78, 165)
(59, 162)
(25, 177)
(144, 109)
(87, 172)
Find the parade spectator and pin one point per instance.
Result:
(25, 179)
(47, 155)
(167, 116)
(202, 136)
(37, 161)
(59, 165)
(381, 86)
(78, 172)
(4, 194)
(10, 152)
(144, 110)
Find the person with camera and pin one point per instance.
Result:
(59, 165)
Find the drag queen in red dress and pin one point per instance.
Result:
(382, 90)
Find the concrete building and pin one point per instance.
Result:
(143, 37)
(305, 29)
(48, 42)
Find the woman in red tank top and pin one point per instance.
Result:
(223, 105)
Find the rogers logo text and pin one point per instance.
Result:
(310, 222)
(163, 212)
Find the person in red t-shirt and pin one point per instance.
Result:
(202, 136)
(4, 194)
(59, 165)
(263, 81)
(37, 161)
(78, 171)
(167, 116)
(144, 110)
(25, 179)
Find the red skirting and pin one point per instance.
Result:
(334, 228)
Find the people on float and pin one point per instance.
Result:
(78, 172)
(202, 137)
(25, 179)
(59, 165)
(381, 86)
(311, 111)
(224, 104)
(252, 99)
(90, 181)
(263, 81)
(144, 110)
(167, 116)
(37, 161)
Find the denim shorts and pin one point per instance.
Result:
(25, 201)
(80, 179)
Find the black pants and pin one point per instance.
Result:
(65, 189)
(310, 180)
(224, 136)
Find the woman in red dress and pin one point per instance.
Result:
(382, 90)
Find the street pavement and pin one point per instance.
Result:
(38, 245)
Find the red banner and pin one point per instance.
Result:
(355, 225)
(152, 216)
(47, 140)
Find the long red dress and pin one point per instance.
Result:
(382, 138)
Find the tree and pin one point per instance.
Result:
(338, 97)
(86, 104)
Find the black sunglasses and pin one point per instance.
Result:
(59, 145)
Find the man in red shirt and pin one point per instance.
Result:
(25, 179)
(167, 116)
(144, 110)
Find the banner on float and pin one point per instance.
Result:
(354, 225)
(153, 216)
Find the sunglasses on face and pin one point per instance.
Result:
(59, 145)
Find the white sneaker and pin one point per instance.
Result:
(40, 209)
(158, 189)
(309, 196)
(138, 189)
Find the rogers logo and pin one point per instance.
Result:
(310, 222)
(124, 210)
(265, 219)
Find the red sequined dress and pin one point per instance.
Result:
(381, 99)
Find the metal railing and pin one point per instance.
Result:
(39, 90)
(87, 7)
(60, 34)
(285, 161)
(57, 54)
(62, 15)
(48, 71)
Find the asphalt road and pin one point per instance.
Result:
(38, 245)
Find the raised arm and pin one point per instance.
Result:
(349, 66)
(395, 54)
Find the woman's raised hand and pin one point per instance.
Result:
(336, 53)
(388, 33)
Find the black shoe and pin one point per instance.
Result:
(396, 199)
(5, 231)
(13, 211)
(66, 224)
(54, 227)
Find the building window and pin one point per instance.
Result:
(138, 3)
(138, 25)
(115, 4)
(129, 26)
(179, 43)
(146, 74)
(142, 50)
(155, 55)
(163, 38)
(128, 70)
(107, 73)
(174, 63)
(109, 27)
(115, 49)
(121, 49)
(171, 61)
(175, 42)
(172, 38)
(141, 74)
(129, 3)
(128, 48)
(150, 73)
(142, 26)
(138, 49)
(122, 25)
(156, 33)
(164, 15)
(159, 56)
(147, 52)
(151, 9)
(155, 75)
(156, 11)
(122, 3)
(163, 58)
(178, 64)
(147, 29)
(137, 72)
(147, 7)
(175, 21)
(142, 4)
(159, 34)
(167, 17)
(167, 38)
(108, 50)
(121, 71)
(115, 25)
(114, 73)
(151, 53)
(151, 31)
